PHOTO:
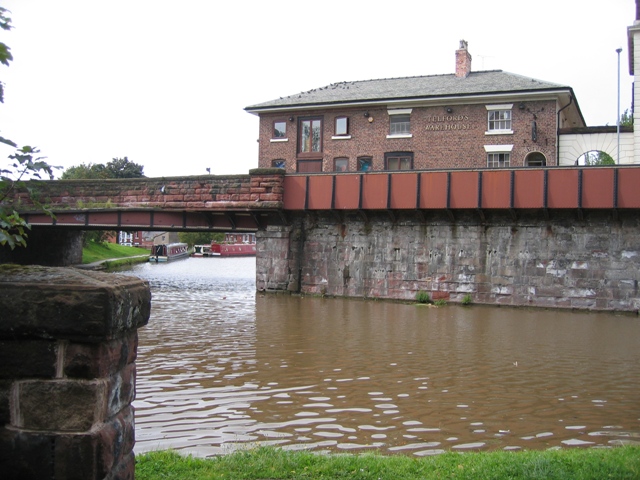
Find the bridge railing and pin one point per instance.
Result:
(526, 188)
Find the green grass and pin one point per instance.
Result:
(273, 463)
(95, 252)
(423, 297)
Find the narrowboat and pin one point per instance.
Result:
(234, 245)
(167, 252)
(202, 251)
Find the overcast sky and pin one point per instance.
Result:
(165, 83)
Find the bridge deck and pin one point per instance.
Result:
(251, 202)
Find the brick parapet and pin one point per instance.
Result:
(208, 192)
(67, 372)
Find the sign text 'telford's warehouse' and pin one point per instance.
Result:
(448, 122)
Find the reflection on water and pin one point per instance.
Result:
(221, 367)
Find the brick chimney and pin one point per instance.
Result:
(463, 60)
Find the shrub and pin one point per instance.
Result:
(423, 297)
(466, 300)
(440, 302)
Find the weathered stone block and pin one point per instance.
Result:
(26, 456)
(121, 390)
(58, 405)
(90, 360)
(94, 454)
(27, 358)
(5, 394)
(70, 304)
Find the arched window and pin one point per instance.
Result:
(595, 157)
(535, 159)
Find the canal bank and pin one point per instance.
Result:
(619, 463)
(108, 256)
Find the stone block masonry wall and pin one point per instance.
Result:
(68, 343)
(562, 262)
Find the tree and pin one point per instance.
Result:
(597, 157)
(24, 164)
(200, 238)
(5, 51)
(123, 168)
(116, 168)
(626, 119)
(84, 172)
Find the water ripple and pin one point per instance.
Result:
(221, 368)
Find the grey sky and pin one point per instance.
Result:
(165, 83)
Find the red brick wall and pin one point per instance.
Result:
(458, 144)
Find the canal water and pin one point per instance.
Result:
(222, 367)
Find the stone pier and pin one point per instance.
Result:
(68, 344)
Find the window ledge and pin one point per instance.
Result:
(499, 132)
(404, 135)
(341, 137)
(277, 140)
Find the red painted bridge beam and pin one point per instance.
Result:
(508, 189)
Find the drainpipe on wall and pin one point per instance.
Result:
(558, 131)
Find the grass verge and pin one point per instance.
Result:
(95, 252)
(273, 463)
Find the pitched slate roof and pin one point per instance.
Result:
(407, 88)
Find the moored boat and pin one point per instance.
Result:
(167, 252)
(235, 245)
(203, 251)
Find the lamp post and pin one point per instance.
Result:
(618, 50)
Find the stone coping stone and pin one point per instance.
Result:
(70, 304)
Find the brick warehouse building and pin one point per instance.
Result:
(462, 120)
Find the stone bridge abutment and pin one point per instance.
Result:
(564, 262)
(68, 344)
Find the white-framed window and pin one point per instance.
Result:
(498, 160)
(341, 129)
(499, 119)
(342, 125)
(498, 156)
(399, 123)
(279, 131)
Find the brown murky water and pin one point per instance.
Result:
(221, 367)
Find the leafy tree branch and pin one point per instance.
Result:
(24, 164)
